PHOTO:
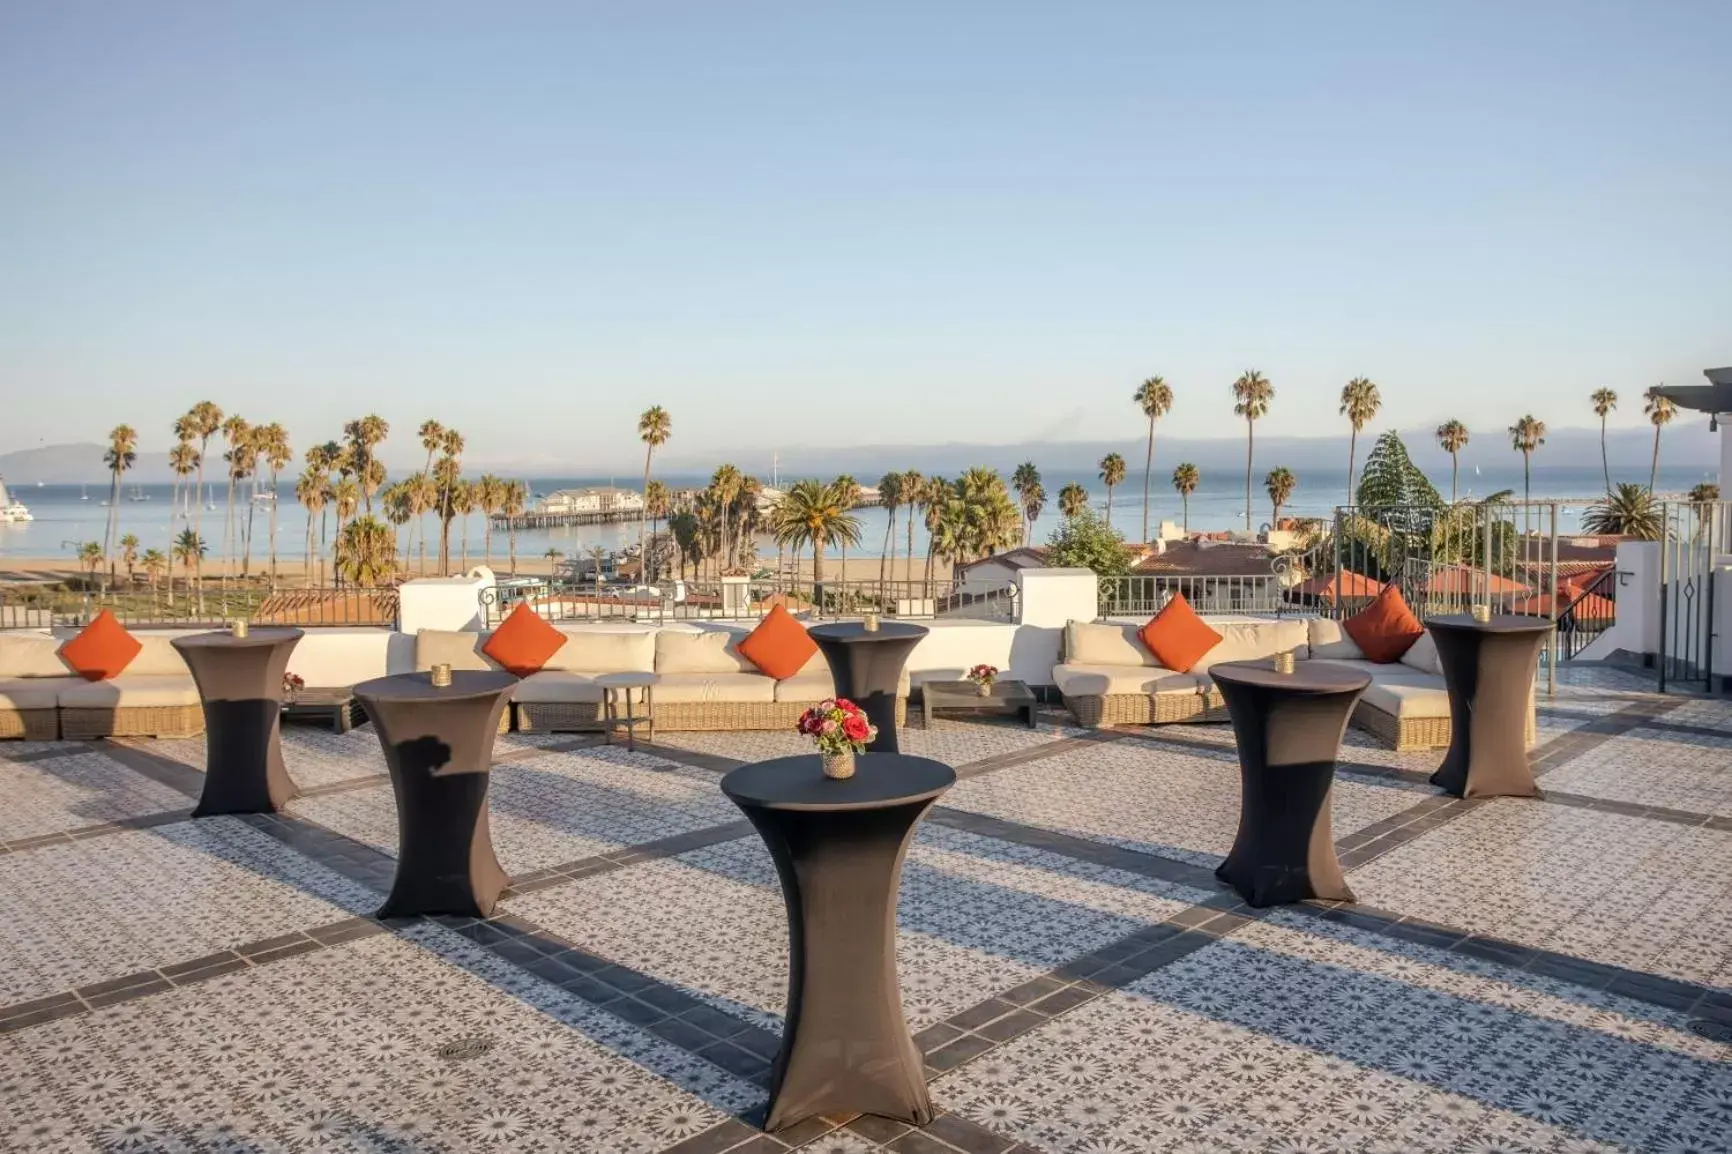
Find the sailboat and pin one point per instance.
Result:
(84, 492)
(138, 494)
(12, 511)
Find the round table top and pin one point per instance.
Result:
(1307, 676)
(851, 632)
(880, 780)
(1500, 623)
(627, 680)
(223, 639)
(465, 683)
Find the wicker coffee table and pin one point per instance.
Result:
(1007, 699)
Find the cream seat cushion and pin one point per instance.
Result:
(35, 692)
(693, 688)
(1075, 679)
(812, 685)
(157, 657)
(131, 691)
(1416, 696)
(460, 649)
(31, 655)
(551, 686)
(1250, 640)
(701, 651)
(613, 651)
(1330, 642)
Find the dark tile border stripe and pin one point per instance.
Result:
(163, 770)
(103, 829)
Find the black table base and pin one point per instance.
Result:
(866, 666)
(240, 686)
(1489, 668)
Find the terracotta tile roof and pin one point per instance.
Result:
(1192, 558)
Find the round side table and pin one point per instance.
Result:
(1489, 667)
(617, 689)
(866, 665)
(240, 684)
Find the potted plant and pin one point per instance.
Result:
(292, 686)
(983, 676)
(840, 730)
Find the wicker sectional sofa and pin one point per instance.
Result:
(704, 683)
(1108, 677)
(41, 699)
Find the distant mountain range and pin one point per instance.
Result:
(1686, 443)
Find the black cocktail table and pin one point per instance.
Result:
(438, 745)
(838, 848)
(867, 668)
(1489, 667)
(1008, 698)
(240, 684)
(1288, 728)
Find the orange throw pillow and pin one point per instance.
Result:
(1177, 636)
(102, 650)
(524, 642)
(779, 646)
(1386, 628)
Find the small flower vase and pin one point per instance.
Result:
(983, 688)
(838, 765)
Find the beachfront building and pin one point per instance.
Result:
(601, 500)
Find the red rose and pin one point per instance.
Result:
(856, 728)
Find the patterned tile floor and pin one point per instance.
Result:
(1550, 975)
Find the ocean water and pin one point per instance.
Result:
(68, 515)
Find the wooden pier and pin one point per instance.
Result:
(555, 520)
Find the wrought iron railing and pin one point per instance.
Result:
(1142, 594)
(1587, 610)
(52, 605)
(749, 600)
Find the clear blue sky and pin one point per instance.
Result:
(886, 222)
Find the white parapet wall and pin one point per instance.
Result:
(442, 602)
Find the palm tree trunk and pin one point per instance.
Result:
(273, 531)
(1148, 467)
(173, 500)
(465, 536)
(884, 557)
(510, 536)
(1185, 500)
(247, 553)
(1527, 482)
(643, 516)
(1605, 464)
(909, 574)
(1454, 468)
(1109, 504)
(1654, 469)
(1250, 444)
(114, 509)
(307, 556)
(1352, 451)
(487, 540)
(229, 529)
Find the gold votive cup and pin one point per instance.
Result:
(1481, 612)
(238, 627)
(442, 675)
(870, 624)
(1284, 661)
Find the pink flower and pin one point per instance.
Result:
(829, 727)
(856, 729)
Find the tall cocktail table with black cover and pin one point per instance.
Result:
(240, 683)
(1288, 728)
(866, 665)
(838, 848)
(1489, 667)
(438, 743)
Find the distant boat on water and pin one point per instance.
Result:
(12, 510)
(138, 494)
(84, 492)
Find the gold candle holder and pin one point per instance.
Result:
(238, 627)
(1284, 661)
(442, 675)
(870, 624)
(1481, 612)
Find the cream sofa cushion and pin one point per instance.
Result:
(1330, 642)
(606, 652)
(1250, 640)
(35, 692)
(1414, 696)
(1422, 655)
(701, 651)
(31, 655)
(1087, 643)
(808, 687)
(558, 686)
(689, 688)
(130, 691)
(458, 649)
(1075, 679)
(157, 657)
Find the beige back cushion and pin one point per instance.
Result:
(1330, 642)
(1087, 643)
(694, 651)
(1422, 655)
(816, 664)
(1249, 640)
(157, 657)
(458, 649)
(31, 655)
(610, 652)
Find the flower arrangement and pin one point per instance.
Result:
(983, 676)
(292, 685)
(840, 730)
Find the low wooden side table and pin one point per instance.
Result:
(617, 690)
(336, 705)
(1007, 699)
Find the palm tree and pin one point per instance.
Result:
(1280, 484)
(1112, 476)
(848, 496)
(1252, 393)
(446, 473)
(129, 556)
(155, 565)
(516, 498)
(1033, 503)
(236, 431)
(312, 490)
(658, 499)
(938, 494)
(464, 501)
(90, 556)
(202, 421)
(489, 494)
(1628, 510)
(396, 501)
(1605, 400)
(366, 551)
(554, 554)
(432, 435)
(1072, 499)
(364, 435)
(1452, 436)
(120, 456)
(274, 444)
(1185, 480)
(1025, 480)
(890, 496)
(725, 487)
(1703, 492)
(346, 497)
(182, 459)
(1359, 403)
(1525, 436)
(816, 514)
(1155, 398)
(654, 427)
(189, 550)
(1660, 411)
(914, 496)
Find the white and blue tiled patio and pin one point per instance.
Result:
(1519, 974)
